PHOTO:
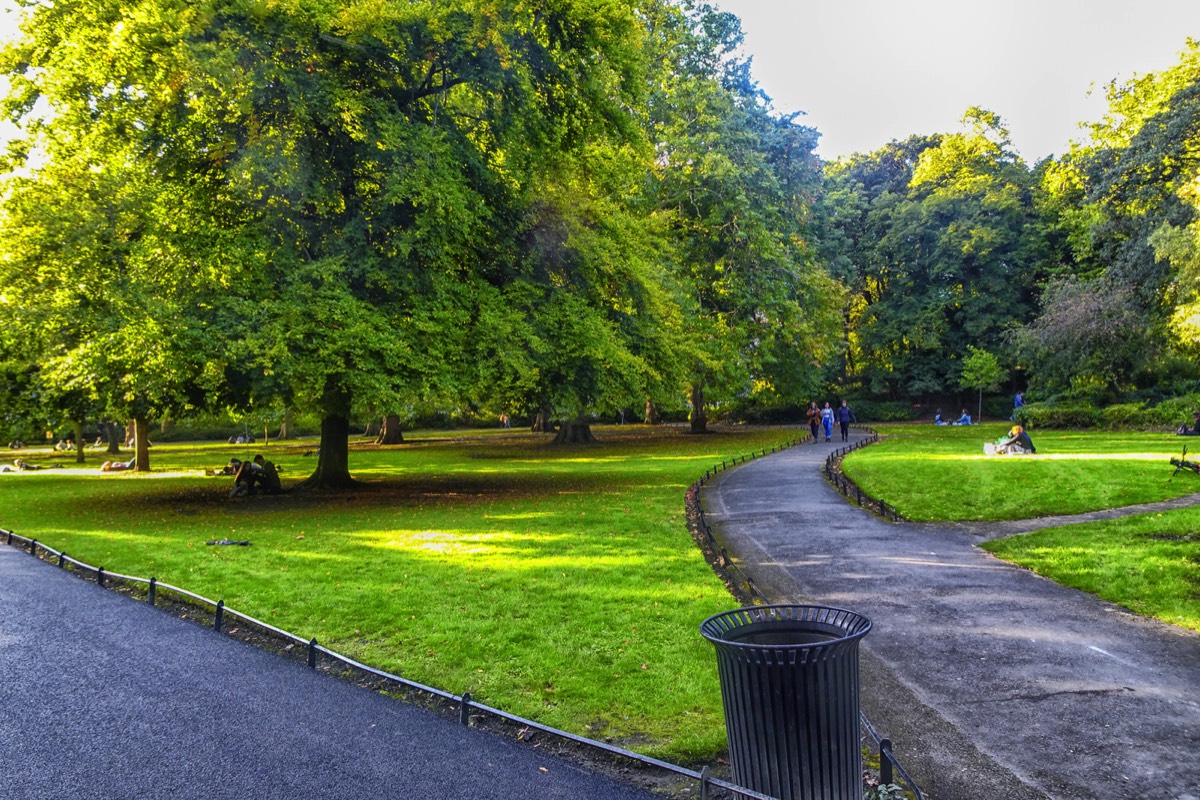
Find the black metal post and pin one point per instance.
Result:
(100, 576)
(33, 547)
(885, 762)
(464, 710)
(153, 586)
(312, 653)
(62, 557)
(218, 616)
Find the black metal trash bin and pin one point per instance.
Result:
(789, 683)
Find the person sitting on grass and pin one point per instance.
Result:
(1016, 443)
(269, 476)
(1184, 430)
(965, 419)
(248, 475)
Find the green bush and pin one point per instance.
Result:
(1058, 415)
(1171, 413)
(1124, 416)
(1167, 415)
(883, 410)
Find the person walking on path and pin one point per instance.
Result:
(844, 417)
(814, 421)
(827, 422)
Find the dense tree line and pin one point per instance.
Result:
(1079, 274)
(348, 207)
(554, 210)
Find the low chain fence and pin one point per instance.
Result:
(223, 619)
(848, 488)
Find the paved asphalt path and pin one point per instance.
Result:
(993, 682)
(105, 697)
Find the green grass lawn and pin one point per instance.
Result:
(559, 584)
(1149, 563)
(936, 474)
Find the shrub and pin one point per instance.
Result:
(883, 410)
(1171, 413)
(1123, 416)
(1058, 415)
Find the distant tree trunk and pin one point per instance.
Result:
(333, 460)
(113, 430)
(575, 431)
(285, 426)
(699, 416)
(130, 433)
(652, 416)
(141, 444)
(371, 429)
(542, 422)
(390, 433)
(77, 431)
(165, 425)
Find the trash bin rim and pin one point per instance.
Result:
(861, 630)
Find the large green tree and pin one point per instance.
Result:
(341, 172)
(1116, 319)
(943, 247)
(734, 183)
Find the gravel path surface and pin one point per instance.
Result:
(993, 682)
(105, 697)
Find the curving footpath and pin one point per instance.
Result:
(992, 681)
(102, 697)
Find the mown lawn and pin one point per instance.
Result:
(560, 584)
(937, 474)
(1148, 563)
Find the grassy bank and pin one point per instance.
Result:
(937, 474)
(1149, 563)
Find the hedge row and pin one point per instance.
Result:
(1167, 415)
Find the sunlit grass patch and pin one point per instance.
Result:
(933, 473)
(1148, 563)
(556, 583)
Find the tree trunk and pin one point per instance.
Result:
(285, 426)
(699, 417)
(541, 421)
(114, 438)
(575, 431)
(333, 459)
(652, 416)
(390, 433)
(141, 444)
(130, 433)
(77, 430)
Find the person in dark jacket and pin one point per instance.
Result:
(844, 417)
(268, 476)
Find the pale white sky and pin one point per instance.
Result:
(865, 72)
(869, 71)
